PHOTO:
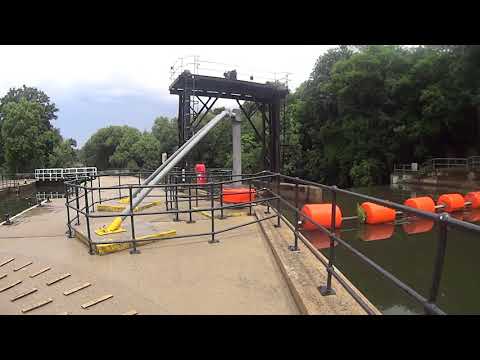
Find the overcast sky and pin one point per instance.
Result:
(97, 86)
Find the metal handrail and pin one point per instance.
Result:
(79, 189)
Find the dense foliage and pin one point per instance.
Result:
(365, 109)
(362, 110)
(28, 138)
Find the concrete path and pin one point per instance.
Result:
(183, 276)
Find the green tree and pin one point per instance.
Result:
(22, 135)
(165, 130)
(47, 111)
(63, 155)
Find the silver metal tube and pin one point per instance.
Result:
(172, 157)
(190, 144)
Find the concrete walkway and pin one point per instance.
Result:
(239, 275)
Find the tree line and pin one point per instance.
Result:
(363, 109)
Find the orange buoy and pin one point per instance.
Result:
(452, 202)
(322, 214)
(376, 232)
(473, 215)
(238, 195)
(474, 198)
(377, 214)
(424, 203)
(418, 226)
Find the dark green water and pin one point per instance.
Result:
(408, 252)
(13, 204)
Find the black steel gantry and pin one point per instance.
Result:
(267, 99)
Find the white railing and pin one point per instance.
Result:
(40, 196)
(196, 66)
(61, 174)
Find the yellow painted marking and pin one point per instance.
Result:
(23, 266)
(61, 277)
(40, 272)
(96, 301)
(36, 306)
(131, 312)
(158, 235)
(10, 286)
(110, 248)
(75, 289)
(112, 208)
(207, 214)
(22, 295)
(7, 261)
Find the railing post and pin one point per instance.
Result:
(134, 250)
(78, 204)
(176, 200)
(212, 215)
(221, 202)
(87, 211)
(328, 290)
(196, 194)
(68, 212)
(439, 259)
(250, 197)
(190, 220)
(166, 192)
(295, 245)
(269, 188)
(119, 190)
(91, 191)
(279, 204)
(99, 191)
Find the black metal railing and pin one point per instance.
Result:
(182, 187)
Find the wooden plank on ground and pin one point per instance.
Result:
(40, 272)
(75, 289)
(3, 276)
(131, 312)
(60, 278)
(23, 266)
(7, 261)
(10, 286)
(96, 301)
(23, 294)
(36, 306)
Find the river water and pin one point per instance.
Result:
(408, 252)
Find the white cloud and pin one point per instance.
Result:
(137, 70)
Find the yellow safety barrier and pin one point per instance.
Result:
(125, 200)
(103, 249)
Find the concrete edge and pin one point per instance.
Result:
(301, 304)
(24, 211)
(293, 289)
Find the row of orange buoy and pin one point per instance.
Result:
(372, 214)
(385, 231)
